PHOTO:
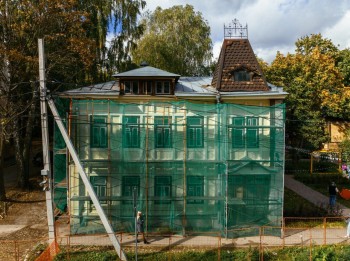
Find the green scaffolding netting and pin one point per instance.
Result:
(195, 167)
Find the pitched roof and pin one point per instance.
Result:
(238, 54)
(100, 88)
(146, 71)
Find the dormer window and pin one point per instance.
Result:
(131, 87)
(241, 76)
(163, 87)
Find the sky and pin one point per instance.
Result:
(273, 25)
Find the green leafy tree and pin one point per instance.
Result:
(118, 17)
(176, 40)
(305, 45)
(343, 63)
(345, 147)
(315, 87)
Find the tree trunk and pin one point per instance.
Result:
(22, 177)
(23, 144)
(2, 179)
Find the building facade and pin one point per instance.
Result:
(202, 154)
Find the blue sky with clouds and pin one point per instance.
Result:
(273, 25)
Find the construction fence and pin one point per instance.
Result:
(306, 234)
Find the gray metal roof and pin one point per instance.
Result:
(106, 87)
(195, 85)
(185, 87)
(146, 71)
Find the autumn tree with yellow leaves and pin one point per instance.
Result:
(315, 84)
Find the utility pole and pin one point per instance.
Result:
(47, 182)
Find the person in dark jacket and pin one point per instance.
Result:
(332, 190)
(140, 229)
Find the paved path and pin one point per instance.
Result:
(309, 194)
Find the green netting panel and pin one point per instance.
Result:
(195, 167)
(59, 159)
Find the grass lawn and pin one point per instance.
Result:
(297, 206)
(318, 181)
(329, 253)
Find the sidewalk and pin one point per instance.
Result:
(309, 194)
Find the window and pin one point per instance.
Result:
(195, 128)
(131, 87)
(147, 89)
(100, 186)
(163, 87)
(131, 132)
(98, 131)
(241, 76)
(162, 189)
(129, 183)
(162, 132)
(195, 188)
(245, 132)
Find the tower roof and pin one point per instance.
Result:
(236, 57)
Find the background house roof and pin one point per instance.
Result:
(238, 54)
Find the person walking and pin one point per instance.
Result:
(332, 190)
(140, 228)
(347, 220)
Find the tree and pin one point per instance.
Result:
(69, 53)
(120, 18)
(176, 40)
(75, 36)
(343, 63)
(305, 45)
(315, 87)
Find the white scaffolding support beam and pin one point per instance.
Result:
(86, 181)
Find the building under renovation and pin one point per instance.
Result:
(203, 154)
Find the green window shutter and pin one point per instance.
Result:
(195, 188)
(238, 138)
(167, 138)
(100, 186)
(98, 132)
(195, 129)
(162, 189)
(135, 132)
(162, 132)
(103, 135)
(252, 138)
(159, 138)
(238, 132)
(252, 133)
(131, 132)
(128, 185)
